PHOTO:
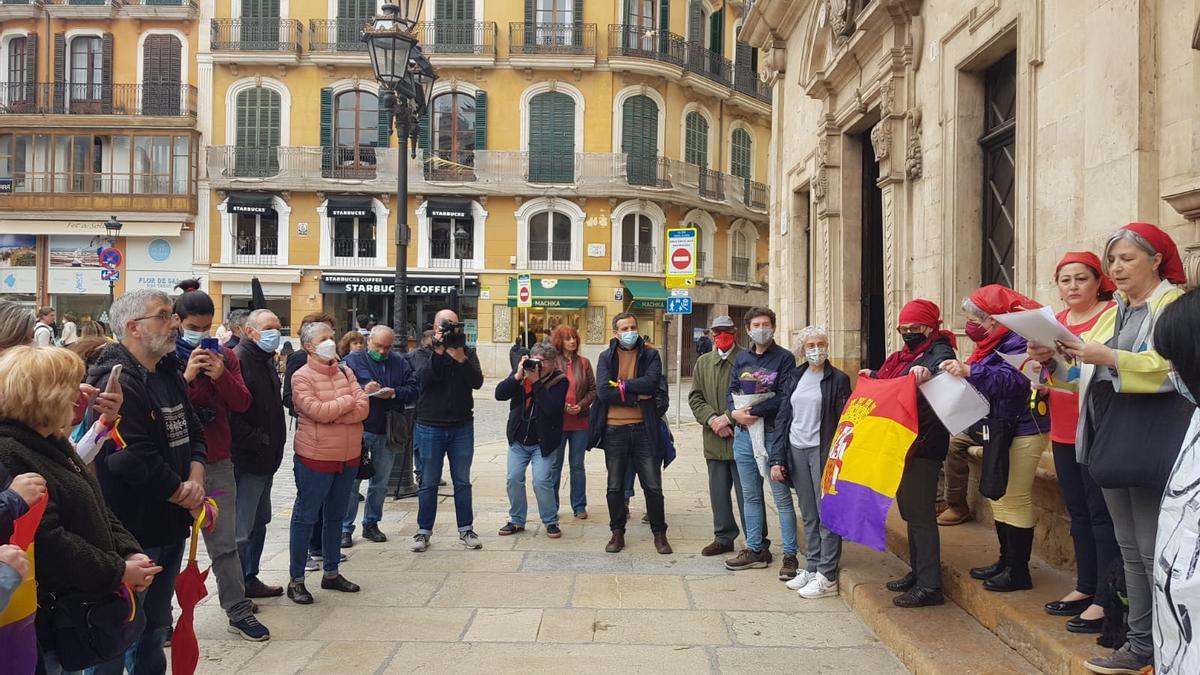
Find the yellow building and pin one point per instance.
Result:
(565, 139)
(97, 119)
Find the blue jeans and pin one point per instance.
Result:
(383, 457)
(782, 493)
(578, 441)
(314, 491)
(253, 513)
(437, 445)
(752, 488)
(146, 655)
(519, 458)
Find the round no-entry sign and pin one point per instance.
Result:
(681, 258)
(523, 294)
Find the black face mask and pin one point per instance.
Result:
(913, 340)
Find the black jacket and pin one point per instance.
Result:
(259, 434)
(11, 505)
(295, 361)
(81, 545)
(775, 360)
(649, 381)
(447, 390)
(835, 391)
(139, 479)
(545, 415)
(933, 441)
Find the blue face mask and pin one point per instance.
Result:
(629, 338)
(1182, 388)
(192, 337)
(268, 340)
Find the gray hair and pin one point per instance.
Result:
(809, 332)
(544, 351)
(380, 330)
(309, 333)
(238, 318)
(16, 324)
(254, 318)
(971, 308)
(1133, 237)
(132, 305)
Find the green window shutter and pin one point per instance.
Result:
(695, 149)
(530, 12)
(106, 71)
(385, 125)
(481, 106)
(31, 52)
(326, 130)
(695, 21)
(577, 16)
(552, 138)
(664, 26)
(742, 55)
(740, 154)
(423, 132)
(639, 139)
(716, 36)
(60, 72)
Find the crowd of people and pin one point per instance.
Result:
(185, 418)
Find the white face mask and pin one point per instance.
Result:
(816, 355)
(327, 350)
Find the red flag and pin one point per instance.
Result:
(189, 591)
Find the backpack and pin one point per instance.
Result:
(53, 340)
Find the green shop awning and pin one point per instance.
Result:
(555, 293)
(645, 294)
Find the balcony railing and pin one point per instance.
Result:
(648, 171)
(712, 184)
(667, 47)
(161, 3)
(550, 255)
(256, 35)
(85, 3)
(739, 269)
(262, 250)
(756, 194)
(349, 252)
(636, 258)
(348, 162)
(450, 166)
(59, 98)
(702, 264)
(19, 2)
(336, 35)
(552, 38)
(458, 37)
(443, 254)
(253, 162)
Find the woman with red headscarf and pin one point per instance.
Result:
(926, 346)
(989, 370)
(1131, 419)
(1087, 292)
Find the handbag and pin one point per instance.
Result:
(91, 632)
(1134, 439)
(366, 468)
(998, 436)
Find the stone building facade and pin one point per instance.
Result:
(922, 149)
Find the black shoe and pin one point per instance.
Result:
(985, 573)
(347, 540)
(920, 597)
(339, 583)
(298, 594)
(442, 483)
(511, 528)
(1011, 579)
(1068, 607)
(372, 533)
(902, 584)
(553, 531)
(255, 588)
(361, 498)
(1081, 625)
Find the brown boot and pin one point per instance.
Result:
(661, 544)
(616, 543)
(957, 514)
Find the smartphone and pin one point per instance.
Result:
(211, 344)
(114, 376)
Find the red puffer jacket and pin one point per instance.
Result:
(331, 406)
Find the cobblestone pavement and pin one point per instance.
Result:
(527, 603)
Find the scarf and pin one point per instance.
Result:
(996, 299)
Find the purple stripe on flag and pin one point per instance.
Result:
(857, 513)
(18, 644)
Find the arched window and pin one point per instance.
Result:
(637, 243)
(695, 150)
(739, 262)
(550, 240)
(162, 72)
(740, 154)
(15, 84)
(551, 138)
(639, 139)
(453, 135)
(87, 68)
(258, 122)
(355, 128)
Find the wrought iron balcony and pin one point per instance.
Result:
(450, 166)
(648, 171)
(692, 57)
(443, 254)
(739, 269)
(552, 38)
(756, 194)
(350, 252)
(459, 37)
(702, 265)
(712, 184)
(191, 4)
(256, 35)
(251, 250)
(336, 35)
(635, 258)
(61, 98)
(550, 255)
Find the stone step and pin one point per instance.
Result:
(930, 640)
(1018, 619)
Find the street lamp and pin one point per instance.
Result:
(112, 229)
(406, 82)
(460, 242)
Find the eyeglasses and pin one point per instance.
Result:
(161, 316)
(914, 328)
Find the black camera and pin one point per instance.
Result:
(454, 335)
(531, 364)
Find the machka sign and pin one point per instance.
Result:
(681, 257)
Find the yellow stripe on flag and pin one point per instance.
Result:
(24, 600)
(875, 456)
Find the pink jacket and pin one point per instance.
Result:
(331, 406)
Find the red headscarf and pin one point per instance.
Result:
(1090, 260)
(996, 299)
(1172, 265)
(925, 313)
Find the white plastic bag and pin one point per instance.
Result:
(758, 433)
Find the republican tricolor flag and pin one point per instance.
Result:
(866, 459)
(18, 638)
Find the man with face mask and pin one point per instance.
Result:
(625, 423)
(709, 402)
(769, 365)
(158, 478)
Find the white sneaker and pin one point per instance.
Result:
(800, 580)
(420, 542)
(819, 587)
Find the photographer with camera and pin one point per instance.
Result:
(445, 427)
(537, 395)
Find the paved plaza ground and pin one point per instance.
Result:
(527, 603)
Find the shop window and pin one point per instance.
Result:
(637, 244)
(550, 240)
(257, 238)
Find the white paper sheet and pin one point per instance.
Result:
(957, 404)
(1028, 367)
(1037, 325)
